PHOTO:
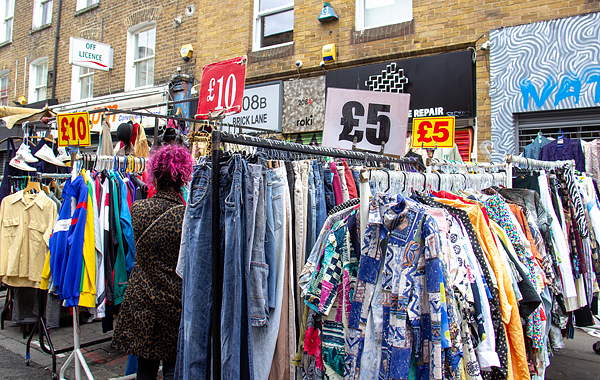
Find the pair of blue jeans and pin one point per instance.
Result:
(236, 343)
(259, 270)
(193, 346)
(328, 190)
(320, 202)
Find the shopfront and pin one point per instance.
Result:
(544, 78)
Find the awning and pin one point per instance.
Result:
(17, 115)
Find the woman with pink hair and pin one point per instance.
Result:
(149, 318)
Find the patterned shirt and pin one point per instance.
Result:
(401, 246)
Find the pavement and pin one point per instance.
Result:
(104, 362)
(576, 361)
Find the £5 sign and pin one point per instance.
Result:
(222, 88)
(371, 118)
(73, 129)
(433, 132)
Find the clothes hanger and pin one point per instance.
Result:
(561, 137)
(32, 186)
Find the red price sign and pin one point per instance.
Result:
(222, 87)
(433, 132)
(74, 129)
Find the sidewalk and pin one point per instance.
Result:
(103, 361)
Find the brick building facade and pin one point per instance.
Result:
(221, 30)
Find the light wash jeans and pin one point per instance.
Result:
(264, 338)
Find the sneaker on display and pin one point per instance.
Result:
(19, 163)
(25, 153)
(46, 154)
(62, 154)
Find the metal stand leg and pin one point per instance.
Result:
(76, 355)
(7, 305)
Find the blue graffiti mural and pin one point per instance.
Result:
(570, 86)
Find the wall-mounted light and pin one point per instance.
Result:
(327, 13)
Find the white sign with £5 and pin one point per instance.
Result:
(373, 118)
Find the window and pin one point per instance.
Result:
(82, 4)
(273, 23)
(141, 43)
(82, 83)
(7, 9)
(38, 80)
(374, 13)
(4, 90)
(143, 59)
(42, 13)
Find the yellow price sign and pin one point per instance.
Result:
(433, 132)
(74, 129)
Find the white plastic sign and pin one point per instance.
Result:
(371, 117)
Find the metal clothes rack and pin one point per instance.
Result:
(473, 167)
(219, 137)
(528, 163)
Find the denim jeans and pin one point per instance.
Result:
(259, 270)
(264, 338)
(270, 253)
(236, 345)
(328, 190)
(311, 212)
(320, 208)
(193, 360)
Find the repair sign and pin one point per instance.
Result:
(222, 88)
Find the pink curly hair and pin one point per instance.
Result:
(169, 167)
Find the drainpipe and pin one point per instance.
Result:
(56, 37)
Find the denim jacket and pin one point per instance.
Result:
(399, 261)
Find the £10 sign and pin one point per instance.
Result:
(222, 87)
(73, 129)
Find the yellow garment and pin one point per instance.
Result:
(87, 295)
(517, 357)
(141, 144)
(27, 222)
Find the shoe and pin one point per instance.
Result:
(19, 163)
(46, 154)
(25, 153)
(63, 156)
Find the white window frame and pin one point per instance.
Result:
(82, 4)
(5, 74)
(35, 87)
(360, 17)
(258, 15)
(7, 16)
(76, 83)
(38, 14)
(130, 62)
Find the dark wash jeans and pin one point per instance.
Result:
(193, 351)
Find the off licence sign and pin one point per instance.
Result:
(73, 129)
(371, 118)
(433, 132)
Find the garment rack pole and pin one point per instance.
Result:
(530, 163)
(219, 137)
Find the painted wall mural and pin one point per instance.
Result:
(543, 66)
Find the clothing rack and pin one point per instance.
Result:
(218, 137)
(440, 162)
(528, 163)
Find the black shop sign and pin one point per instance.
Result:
(439, 85)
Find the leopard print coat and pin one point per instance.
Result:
(148, 322)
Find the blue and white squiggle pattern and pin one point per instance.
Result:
(543, 66)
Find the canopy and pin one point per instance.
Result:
(17, 115)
